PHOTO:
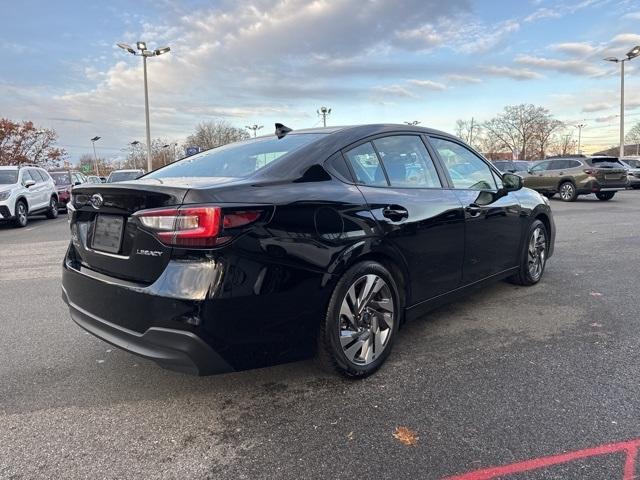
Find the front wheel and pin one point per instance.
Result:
(604, 196)
(534, 258)
(361, 323)
(568, 192)
(20, 219)
(52, 211)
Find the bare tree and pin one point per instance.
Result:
(633, 136)
(543, 136)
(24, 142)
(215, 134)
(492, 146)
(517, 125)
(563, 145)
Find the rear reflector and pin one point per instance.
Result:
(198, 226)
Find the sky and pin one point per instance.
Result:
(267, 61)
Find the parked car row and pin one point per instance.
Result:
(574, 176)
(29, 190)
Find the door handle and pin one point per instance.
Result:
(395, 213)
(473, 210)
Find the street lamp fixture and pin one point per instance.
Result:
(144, 53)
(324, 112)
(631, 54)
(255, 129)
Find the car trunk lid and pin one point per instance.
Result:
(608, 171)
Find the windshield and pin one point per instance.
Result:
(7, 177)
(633, 163)
(123, 176)
(236, 159)
(61, 178)
(605, 162)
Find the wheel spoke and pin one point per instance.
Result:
(351, 351)
(347, 311)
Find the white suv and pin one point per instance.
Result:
(26, 190)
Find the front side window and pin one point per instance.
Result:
(35, 174)
(366, 165)
(407, 162)
(467, 171)
(26, 176)
(540, 167)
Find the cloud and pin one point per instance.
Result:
(392, 91)
(455, 77)
(597, 107)
(574, 67)
(574, 48)
(427, 84)
(514, 73)
(543, 13)
(632, 16)
(626, 39)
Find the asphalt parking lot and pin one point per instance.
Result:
(505, 375)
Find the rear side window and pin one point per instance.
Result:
(240, 159)
(36, 175)
(366, 165)
(467, 170)
(44, 175)
(407, 162)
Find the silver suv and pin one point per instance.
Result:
(26, 190)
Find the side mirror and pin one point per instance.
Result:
(511, 182)
(76, 183)
(29, 183)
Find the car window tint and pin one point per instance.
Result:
(366, 165)
(45, 175)
(407, 162)
(557, 165)
(467, 171)
(338, 166)
(540, 167)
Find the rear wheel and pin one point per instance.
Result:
(549, 194)
(20, 219)
(567, 192)
(535, 256)
(361, 323)
(604, 196)
(52, 211)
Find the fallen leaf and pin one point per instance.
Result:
(596, 325)
(596, 294)
(406, 436)
(350, 436)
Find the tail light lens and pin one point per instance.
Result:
(589, 171)
(198, 226)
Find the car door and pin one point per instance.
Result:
(536, 178)
(30, 193)
(493, 223)
(419, 219)
(40, 188)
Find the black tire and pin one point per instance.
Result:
(604, 196)
(567, 191)
(549, 194)
(525, 276)
(331, 353)
(52, 211)
(21, 212)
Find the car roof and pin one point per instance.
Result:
(9, 167)
(127, 170)
(370, 129)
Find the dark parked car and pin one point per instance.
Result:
(124, 175)
(571, 177)
(519, 167)
(65, 180)
(274, 248)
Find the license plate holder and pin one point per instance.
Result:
(107, 233)
(613, 176)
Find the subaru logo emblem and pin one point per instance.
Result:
(96, 200)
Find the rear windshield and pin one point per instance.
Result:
(61, 178)
(604, 162)
(123, 176)
(7, 177)
(236, 159)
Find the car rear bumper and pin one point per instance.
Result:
(173, 349)
(595, 187)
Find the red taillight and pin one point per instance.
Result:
(589, 171)
(198, 226)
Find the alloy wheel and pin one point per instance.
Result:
(537, 253)
(566, 192)
(53, 208)
(367, 314)
(22, 214)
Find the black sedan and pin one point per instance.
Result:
(271, 249)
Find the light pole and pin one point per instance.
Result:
(413, 123)
(255, 128)
(580, 127)
(95, 157)
(144, 53)
(134, 144)
(631, 54)
(324, 112)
